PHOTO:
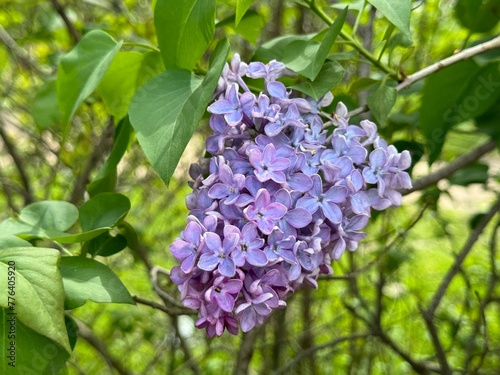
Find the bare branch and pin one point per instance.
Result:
(97, 155)
(173, 311)
(421, 74)
(86, 333)
(459, 259)
(314, 349)
(440, 353)
(19, 163)
(69, 25)
(457, 57)
(452, 167)
(246, 351)
(20, 53)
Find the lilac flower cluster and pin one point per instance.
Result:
(288, 188)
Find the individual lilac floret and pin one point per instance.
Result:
(326, 201)
(224, 292)
(218, 255)
(267, 165)
(230, 186)
(264, 213)
(281, 196)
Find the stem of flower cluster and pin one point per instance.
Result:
(355, 44)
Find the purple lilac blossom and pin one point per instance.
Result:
(280, 198)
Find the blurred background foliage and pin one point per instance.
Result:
(372, 316)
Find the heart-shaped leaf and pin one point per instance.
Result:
(166, 111)
(184, 30)
(81, 70)
(86, 279)
(38, 292)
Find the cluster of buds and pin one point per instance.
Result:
(287, 190)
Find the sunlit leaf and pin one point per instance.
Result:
(330, 76)
(35, 353)
(166, 111)
(184, 30)
(103, 211)
(50, 215)
(81, 70)
(241, 8)
(397, 12)
(105, 180)
(307, 57)
(44, 108)
(86, 279)
(38, 291)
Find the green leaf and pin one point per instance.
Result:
(34, 353)
(86, 279)
(103, 211)
(128, 71)
(105, 181)
(130, 234)
(249, 27)
(72, 329)
(184, 30)
(397, 12)
(307, 57)
(45, 219)
(276, 48)
(362, 84)
(50, 215)
(44, 107)
(330, 76)
(453, 95)
(119, 83)
(476, 173)
(81, 70)
(49, 219)
(106, 245)
(9, 240)
(166, 111)
(381, 102)
(38, 291)
(241, 8)
(478, 16)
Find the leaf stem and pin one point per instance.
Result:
(356, 45)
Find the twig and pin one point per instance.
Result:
(440, 353)
(457, 57)
(314, 349)
(167, 298)
(69, 25)
(246, 351)
(20, 53)
(459, 259)
(377, 331)
(96, 156)
(423, 73)
(27, 193)
(355, 44)
(189, 359)
(173, 311)
(451, 168)
(86, 333)
(492, 284)
(387, 248)
(8, 193)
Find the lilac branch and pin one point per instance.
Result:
(431, 69)
(452, 167)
